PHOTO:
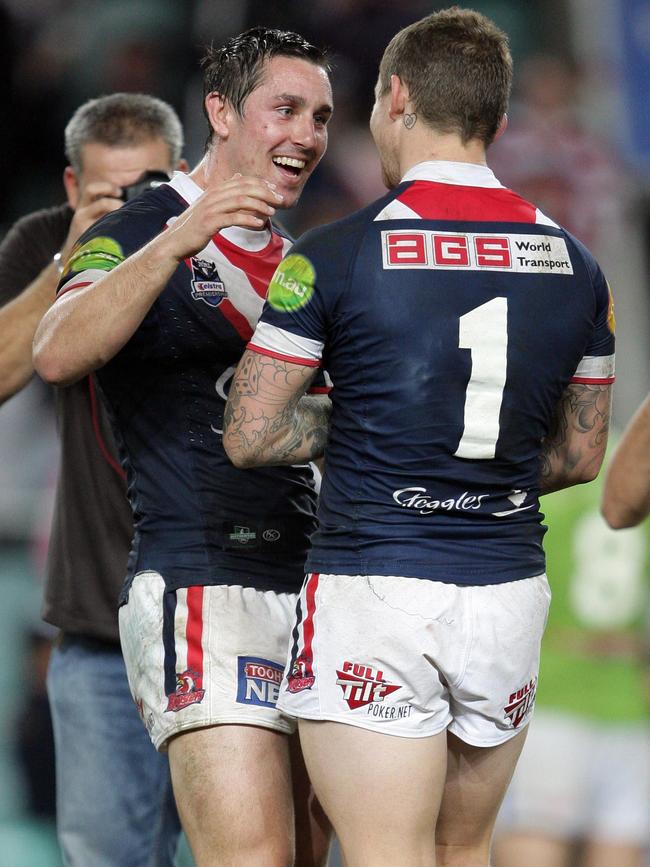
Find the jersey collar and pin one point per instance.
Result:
(446, 172)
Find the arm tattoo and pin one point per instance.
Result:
(578, 433)
(265, 428)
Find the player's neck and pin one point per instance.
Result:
(429, 146)
(199, 174)
(211, 171)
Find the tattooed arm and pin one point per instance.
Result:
(575, 446)
(626, 498)
(268, 418)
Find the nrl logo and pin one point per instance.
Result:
(242, 535)
(206, 284)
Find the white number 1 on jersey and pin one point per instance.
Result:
(484, 331)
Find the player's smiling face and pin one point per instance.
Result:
(283, 132)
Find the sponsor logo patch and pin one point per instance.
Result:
(362, 685)
(271, 535)
(611, 318)
(243, 536)
(520, 703)
(422, 502)
(301, 676)
(206, 284)
(292, 284)
(189, 690)
(101, 254)
(258, 681)
(472, 251)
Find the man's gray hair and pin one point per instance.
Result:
(122, 120)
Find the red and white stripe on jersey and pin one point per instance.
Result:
(188, 632)
(300, 673)
(278, 343)
(459, 191)
(595, 370)
(245, 260)
(79, 281)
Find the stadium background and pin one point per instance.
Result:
(578, 144)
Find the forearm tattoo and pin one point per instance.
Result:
(584, 410)
(262, 428)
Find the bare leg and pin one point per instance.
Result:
(533, 850)
(381, 792)
(601, 854)
(232, 785)
(313, 828)
(477, 779)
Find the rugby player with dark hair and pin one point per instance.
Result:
(160, 299)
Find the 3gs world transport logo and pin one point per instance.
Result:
(471, 251)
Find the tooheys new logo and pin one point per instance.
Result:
(292, 284)
(258, 681)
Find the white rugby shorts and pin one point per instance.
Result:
(581, 779)
(202, 656)
(412, 657)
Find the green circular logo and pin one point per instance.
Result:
(101, 253)
(293, 283)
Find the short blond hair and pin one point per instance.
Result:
(457, 66)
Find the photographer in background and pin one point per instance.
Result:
(114, 799)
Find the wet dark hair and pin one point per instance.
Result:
(235, 69)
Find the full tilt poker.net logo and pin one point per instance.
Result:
(521, 702)
(362, 685)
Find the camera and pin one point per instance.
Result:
(147, 181)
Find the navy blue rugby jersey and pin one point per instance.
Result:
(451, 315)
(198, 520)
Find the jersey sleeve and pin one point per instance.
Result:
(103, 247)
(106, 244)
(295, 320)
(597, 366)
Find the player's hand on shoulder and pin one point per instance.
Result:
(241, 201)
(97, 199)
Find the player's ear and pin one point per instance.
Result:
(503, 126)
(399, 96)
(72, 188)
(220, 113)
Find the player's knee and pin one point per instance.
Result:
(448, 855)
(270, 853)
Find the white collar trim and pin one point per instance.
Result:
(447, 172)
(185, 186)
